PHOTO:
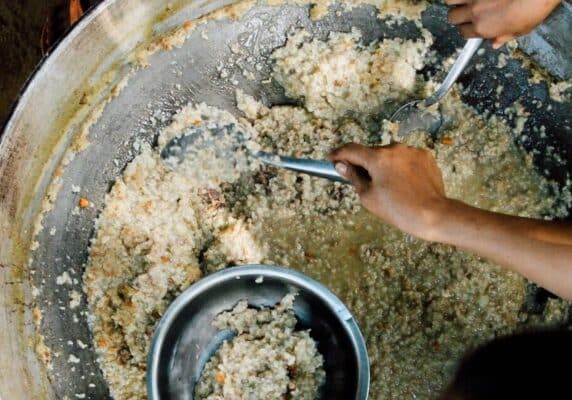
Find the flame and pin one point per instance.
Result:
(76, 11)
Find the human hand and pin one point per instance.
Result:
(500, 20)
(404, 187)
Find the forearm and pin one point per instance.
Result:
(404, 188)
(538, 250)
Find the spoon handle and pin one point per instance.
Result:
(471, 46)
(319, 168)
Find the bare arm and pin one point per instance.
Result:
(513, 242)
(405, 189)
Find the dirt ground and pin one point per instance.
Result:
(21, 23)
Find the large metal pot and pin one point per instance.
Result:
(32, 144)
(75, 80)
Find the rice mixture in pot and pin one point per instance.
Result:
(268, 359)
(420, 305)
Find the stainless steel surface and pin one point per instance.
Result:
(185, 339)
(65, 89)
(411, 115)
(195, 140)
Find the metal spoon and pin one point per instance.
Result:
(411, 115)
(193, 140)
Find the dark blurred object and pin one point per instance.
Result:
(26, 28)
(525, 366)
(20, 26)
(60, 18)
(57, 21)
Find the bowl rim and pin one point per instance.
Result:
(255, 271)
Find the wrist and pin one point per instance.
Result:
(435, 219)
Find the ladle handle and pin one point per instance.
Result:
(471, 46)
(319, 168)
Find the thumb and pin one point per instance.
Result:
(358, 180)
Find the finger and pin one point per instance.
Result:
(460, 15)
(354, 154)
(457, 2)
(500, 40)
(358, 180)
(468, 31)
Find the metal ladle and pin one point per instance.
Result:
(412, 116)
(196, 138)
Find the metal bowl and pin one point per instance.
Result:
(185, 338)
